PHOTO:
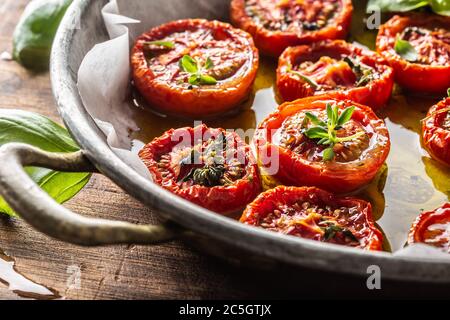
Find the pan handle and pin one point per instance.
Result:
(38, 209)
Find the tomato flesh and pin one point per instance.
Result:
(210, 167)
(328, 73)
(293, 16)
(233, 62)
(436, 132)
(432, 46)
(276, 25)
(335, 66)
(430, 37)
(315, 214)
(433, 228)
(294, 159)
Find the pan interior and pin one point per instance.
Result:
(409, 183)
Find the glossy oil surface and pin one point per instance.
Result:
(19, 284)
(409, 183)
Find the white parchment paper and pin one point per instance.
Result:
(104, 76)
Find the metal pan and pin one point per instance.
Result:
(212, 232)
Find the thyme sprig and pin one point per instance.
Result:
(363, 74)
(308, 80)
(332, 230)
(208, 176)
(197, 72)
(212, 164)
(326, 132)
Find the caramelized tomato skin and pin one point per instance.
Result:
(273, 43)
(368, 235)
(199, 101)
(376, 93)
(414, 77)
(295, 170)
(222, 199)
(422, 233)
(436, 138)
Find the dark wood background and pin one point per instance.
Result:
(172, 271)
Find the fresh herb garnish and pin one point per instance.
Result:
(363, 74)
(197, 72)
(350, 235)
(39, 131)
(308, 80)
(165, 44)
(332, 230)
(326, 132)
(213, 170)
(208, 176)
(439, 6)
(448, 92)
(406, 50)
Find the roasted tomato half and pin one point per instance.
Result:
(335, 66)
(212, 168)
(323, 141)
(433, 228)
(436, 132)
(418, 48)
(194, 68)
(315, 214)
(278, 24)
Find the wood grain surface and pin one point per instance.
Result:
(172, 271)
(169, 271)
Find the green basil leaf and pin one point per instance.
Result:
(316, 133)
(188, 64)
(34, 34)
(30, 128)
(406, 50)
(441, 7)
(395, 5)
(448, 92)
(345, 116)
(207, 80)
(166, 44)
(315, 120)
(328, 154)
